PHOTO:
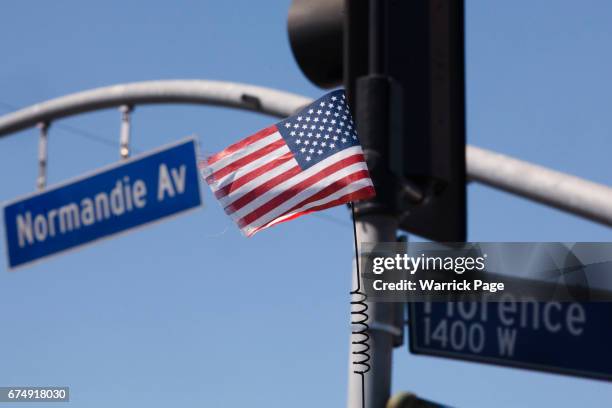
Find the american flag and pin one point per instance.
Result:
(305, 163)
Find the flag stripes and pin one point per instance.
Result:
(290, 169)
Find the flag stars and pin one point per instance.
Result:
(321, 129)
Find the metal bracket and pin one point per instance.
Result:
(387, 328)
(124, 141)
(41, 181)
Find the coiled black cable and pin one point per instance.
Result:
(359, 331)
(360, 335)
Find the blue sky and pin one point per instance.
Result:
(190, 313)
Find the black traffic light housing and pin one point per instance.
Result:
(402, 64)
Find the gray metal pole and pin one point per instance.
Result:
(563, 191)
(373, 229)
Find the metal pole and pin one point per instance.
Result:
(218, 93)
(563, 191)
(372, 229)
(376, 220)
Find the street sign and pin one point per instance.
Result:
(111, 200)
(561, 337)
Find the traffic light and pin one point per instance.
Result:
(402, 64)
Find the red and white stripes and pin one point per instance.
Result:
(259, 183)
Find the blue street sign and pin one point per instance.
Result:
(126, 195)
(561, 337)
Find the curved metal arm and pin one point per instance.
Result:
(230, 94)
(556, 189)
(560, 190)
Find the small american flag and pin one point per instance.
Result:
(305, 163)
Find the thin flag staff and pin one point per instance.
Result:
(308, 162)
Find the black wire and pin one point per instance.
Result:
(362, 391)
(359, 309)
(93, 137)
(329, 218)
(77, 131)
(356, 247)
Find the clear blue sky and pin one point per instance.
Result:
(190, 313)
